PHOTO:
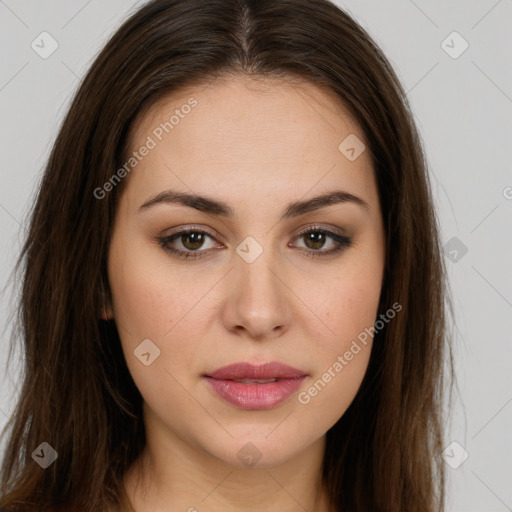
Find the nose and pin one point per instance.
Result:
(257, 299)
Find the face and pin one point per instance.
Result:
(258, 271)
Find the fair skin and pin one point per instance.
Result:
(256, 146)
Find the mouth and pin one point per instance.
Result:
(255, 387)
(248, 371)
(255, 381)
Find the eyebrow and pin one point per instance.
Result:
(222, 209)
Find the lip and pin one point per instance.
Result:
(255, 396)
(272, 370)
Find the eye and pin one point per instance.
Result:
(316, 238)
(192, 240)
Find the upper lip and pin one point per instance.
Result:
(243, 370)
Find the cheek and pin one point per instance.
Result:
(328, 394)
(153, 301)
(346, 301)
(342, 358)
(149, 305)
(351, 317)
(150, 298)
(350, 308)
(143, 306)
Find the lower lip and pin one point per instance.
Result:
(255, 396)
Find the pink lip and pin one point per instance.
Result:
(255, 396)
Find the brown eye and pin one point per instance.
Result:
(315, 239)
(192, 240)
(190, 243)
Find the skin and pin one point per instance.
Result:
(256, 145)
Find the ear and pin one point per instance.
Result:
(106, 311)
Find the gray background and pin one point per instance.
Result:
(463, 107)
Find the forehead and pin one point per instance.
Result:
(271, 133)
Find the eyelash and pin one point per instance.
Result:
(343, 242)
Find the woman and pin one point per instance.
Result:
(233, 294)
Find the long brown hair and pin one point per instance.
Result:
(77, 394)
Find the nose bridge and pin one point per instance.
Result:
(258, 296)
(256, 268)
